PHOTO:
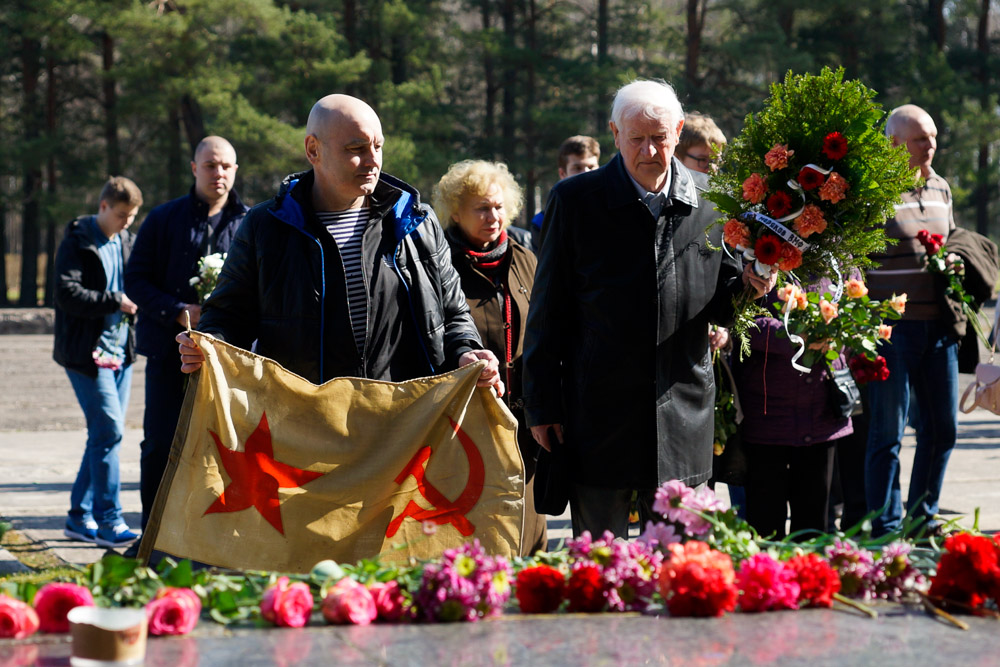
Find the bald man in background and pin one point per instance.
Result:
(171, 240)
(344, 272)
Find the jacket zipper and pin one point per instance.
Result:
(409, 299)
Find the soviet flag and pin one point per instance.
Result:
(269, 471)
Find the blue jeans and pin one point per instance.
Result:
(922, 359)
(98, 483)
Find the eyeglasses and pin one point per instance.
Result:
(702, 161)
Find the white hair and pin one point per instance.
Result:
(654, 99)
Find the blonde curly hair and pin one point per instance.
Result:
(474, 177)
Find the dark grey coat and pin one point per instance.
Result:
(616, 346)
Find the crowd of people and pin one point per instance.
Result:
(598, 322)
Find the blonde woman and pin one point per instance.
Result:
(476, 201)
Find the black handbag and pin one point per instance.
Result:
(730, 466)
(845, 396)
(552, 481)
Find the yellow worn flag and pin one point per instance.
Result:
(269, 471)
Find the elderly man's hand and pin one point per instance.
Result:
(541, 435)
(191, 355)
(490, 377)
(718, 338)
(761, 286)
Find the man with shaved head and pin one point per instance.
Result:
(344, 273)
(171, 240)
(922, 356)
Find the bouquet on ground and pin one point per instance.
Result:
(824, 326)
(952, 267)
(209, 268)
(809, 182)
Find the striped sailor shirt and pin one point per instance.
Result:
(901, 267)
(347, 229)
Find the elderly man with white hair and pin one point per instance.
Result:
(617, 370)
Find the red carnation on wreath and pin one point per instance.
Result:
(809, 178)
(835, 145)
(767, 249)
(540, 589)
(585, 590)
(779, 204)
(818, 581)
(931, 242)
(867, 370)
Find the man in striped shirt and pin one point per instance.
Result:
(922, 357)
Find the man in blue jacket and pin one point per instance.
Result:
(94, 342)
(344, 272)
(173, 237)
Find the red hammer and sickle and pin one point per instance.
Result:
(444, 510)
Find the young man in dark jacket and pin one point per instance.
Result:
(345, 272)
(171, 240)
(94, 342)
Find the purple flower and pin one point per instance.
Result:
(659, 534)
(894, 574)
(856, 568)
(628, 569)
(465, 585)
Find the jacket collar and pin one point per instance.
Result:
(621, 191)
(392, 199)
(234, 205)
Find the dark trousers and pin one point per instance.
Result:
(164, 396)
(779, 477)
(597, 509)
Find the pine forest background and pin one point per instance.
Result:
(90, 88)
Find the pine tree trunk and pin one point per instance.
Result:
(173, 152)
(695, 27)
(982, 196)
(30, 236)
(508, 114)
(110, 106)
(531, 140)
(600, 114)
(936, 24)
(490, 80)
(50, 222)
(194, 123)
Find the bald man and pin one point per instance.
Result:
(923, 355)
(344, 272)
(171, 240)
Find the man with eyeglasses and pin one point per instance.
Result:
(700, 140)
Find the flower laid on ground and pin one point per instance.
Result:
(628, 569)
(287, 605)
(17, 619)
(896, 577)
(854, 566)
(812, 171)
(767, 584)
(816, 578)
(585, 589)
(697, 580)
(209, 268)
(174, 611)
(390, 602)
(540, 589)
(465, 585)
(968, 573)
(54, 601)
(349, 602)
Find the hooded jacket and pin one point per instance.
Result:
(83, 300)
(616, 346)
(283, 287)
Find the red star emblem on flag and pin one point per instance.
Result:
(256, 477)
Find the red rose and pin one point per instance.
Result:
(866, 370)
(17, 619)
(835, 145)
(817, 580)
(585, 590)
(809, 178)
(174, 611)
(54, 601)
(540, 589)
(931, 242)
(779, 204)
(768, 249)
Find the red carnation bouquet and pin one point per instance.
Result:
(808, 183)
(952, 267)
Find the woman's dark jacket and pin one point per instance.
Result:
(283, 286)
(83, 300)
(616, 347)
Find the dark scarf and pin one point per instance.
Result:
(488, 261)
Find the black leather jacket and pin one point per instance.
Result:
(283, 287)
(616, 346)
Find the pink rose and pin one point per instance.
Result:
(856, 289)
(884, 331)
(349, 602)
(54, 601)
(389, 600)
(287, 605)
(17, 619)
(828, 310)
(174, 611)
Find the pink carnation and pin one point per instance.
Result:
(174, 611)
(349, 602)
(287, 605)
(54, 601)
(767, 584)
(754, 189)
(777, 157)
(17, 619)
